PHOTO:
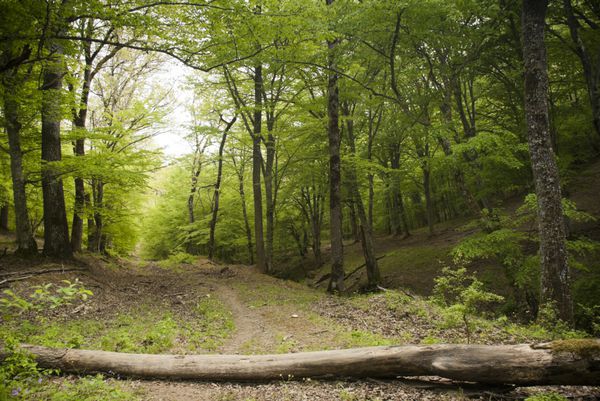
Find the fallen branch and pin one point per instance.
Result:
(10, 280)
(572, 362)
(45, 271)
(326, 276)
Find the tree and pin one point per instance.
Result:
(555, 289)
(12, 84)
(336, 282)
(56, 228)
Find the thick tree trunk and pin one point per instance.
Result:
(215, 209)
(56, 229)
(26, 244)
(553, 363)
(336, 283)
(261, 262)
(555, 270)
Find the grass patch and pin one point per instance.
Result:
(257, 295)
(144, 329)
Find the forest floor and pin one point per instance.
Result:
(202, 307)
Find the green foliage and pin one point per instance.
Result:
(19, 373)
(177, 259)
(89, 388)
(46, 296)
(462, 296)
(546, 397)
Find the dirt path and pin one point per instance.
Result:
(250, 326)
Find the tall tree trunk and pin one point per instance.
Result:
(56, 229)
(269, 194)
(591, 70)
(336, 283)
(26, 244)
(261, 262)
(366, 235)
(79, 121)
(215, 209)
(555, 270)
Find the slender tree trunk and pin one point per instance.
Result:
(261, 262)
(269, 196)
(215, 211)
(428, 200)
(56, 229)
(555, 270)
(366, 235)
(591, 70)
(79, 122)
(336, 283)
(99, 235)
(246, 223)
(397, 201)
(26, 244)
(91, 224)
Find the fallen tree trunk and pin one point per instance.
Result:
(560, 362)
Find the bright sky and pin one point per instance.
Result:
(174, 75)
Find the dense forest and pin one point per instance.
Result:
(324, 136)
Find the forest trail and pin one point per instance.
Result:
(138, 305)
(249, 323)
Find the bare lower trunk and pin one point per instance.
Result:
(563, 362)
(215, 209)
(555, 289)
(26, 244)
(56, 229)
(261, 262)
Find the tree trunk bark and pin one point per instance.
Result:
(261, 262)
(26, 244)
(215, 211)
(570, 362)
(336, 283)
(555, 290)
(56, 228)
